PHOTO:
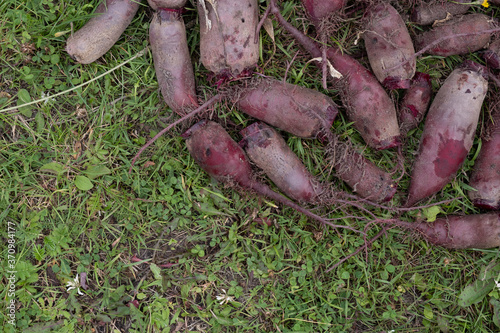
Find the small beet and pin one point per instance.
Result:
(166, 4)
(415, 102)
(492, 54)
(485, 177)
(317, 10)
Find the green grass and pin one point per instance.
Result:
(66, 191)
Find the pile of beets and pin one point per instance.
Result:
(228, 47)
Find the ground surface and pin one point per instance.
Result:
(160, 244)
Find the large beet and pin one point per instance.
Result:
(298, 110)
(448, 131)
(227, 29)
(172, 61)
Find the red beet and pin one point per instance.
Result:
(415, 102)
(470, 23)
(388, 45)
(492, 55)
(317, 10)
(485, 177)
(164, 4)
(426, 13)
(448, 131)
(269, 151)
(481, 231)
(301, 111)
(172, 61)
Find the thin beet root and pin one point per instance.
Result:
(222, 158)
(415, 102)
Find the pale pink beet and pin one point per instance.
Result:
(389, 46)
(269, 151)
(101, 32)
(166, 4)
(172, 61)
(448, 131)
(415, 102)
(298, 110)
(426, 13)
(227, 35)
(471, 23)
(485, 177)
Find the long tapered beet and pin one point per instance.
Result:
(222, 158)
(227, 34)
(298, 110)
(367, 103)
(317, 10)
(172, 61)
(448, 131)
(269, 151)
(480, 231)
(101, 32)
(425, 13)
(415, 102)
(389, 45)
(471, 23)
(485, 177)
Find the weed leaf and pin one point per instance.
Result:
(475, 292)
(54, 167)
(83, 183)
(95, 171)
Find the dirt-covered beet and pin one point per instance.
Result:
(415, 102)
(485, 177)
(298, 110)
(428, 13)
(227, 35)
(269, 151)
(471, 23)
(449, 131)
(101, 32)
(172, 61)
(389, 46)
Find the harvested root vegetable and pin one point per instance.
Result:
(480, 231)
(227, 34)
(222, 158)
(365, 178)
(172, 61)
(448, 131)
(492, 55)
(473, 24)
(389, 46)
(367, 103)
(485, 177)
(101, 32)
(166, 4)
(428, 13)
(269, 151)
(298, 110)
(317, 10)
(415, 102)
